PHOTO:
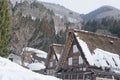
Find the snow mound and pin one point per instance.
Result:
(36, 66)
(12, 71)
(16, 58)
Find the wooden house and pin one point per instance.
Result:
(53, 56)
(89, 56)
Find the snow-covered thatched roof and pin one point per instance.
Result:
(39, 58)
(97, 50)
(38, 52)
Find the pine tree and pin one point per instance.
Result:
(5, 29)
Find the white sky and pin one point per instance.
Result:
(85, 6)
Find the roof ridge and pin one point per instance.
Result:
(92, 33)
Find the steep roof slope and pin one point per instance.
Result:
(103, 42)
(99, 50)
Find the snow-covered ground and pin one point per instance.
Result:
(59, 15)
(72, 20)
(36, 66)
(15, 58)
(33, 18)
(12, 71)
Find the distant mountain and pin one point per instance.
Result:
(103, 12)
(57, 9)
(104, 20)
(64, 17)
(62, 11)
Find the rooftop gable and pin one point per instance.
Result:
(56, 50)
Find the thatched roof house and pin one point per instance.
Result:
(98, 55)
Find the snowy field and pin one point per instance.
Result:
(12, 71)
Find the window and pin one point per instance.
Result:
(80, 60)
(51, 64)
(84, 69)
(75, 49)
(70, 61)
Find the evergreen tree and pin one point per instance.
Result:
(4, 27)
(61, 36)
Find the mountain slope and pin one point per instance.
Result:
(103, 12)
(60, 10)
(32, 26)
(36, 26)
(64, 18)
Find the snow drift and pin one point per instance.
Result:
(12, 71)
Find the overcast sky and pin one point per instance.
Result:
(85, 6)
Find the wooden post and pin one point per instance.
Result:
(113, 78)
(77, 76)
(70, 76)
(64, 76)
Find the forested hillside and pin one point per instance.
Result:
(32, 26)
(110, 26)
